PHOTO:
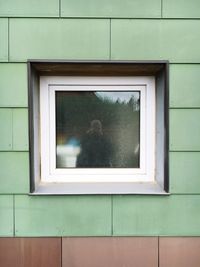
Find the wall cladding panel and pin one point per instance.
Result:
(59, 39)
(179, 252)
(29, 8)
(184, 85)
(14, 175)
(111, 8)
(184, 129)
(6, 215)
(31, 252)
(156, 39)
(6, 127)
(14, 129)
(181, 9)
(94, 251)
(137, 39)
(20, 129)
(63, 216)
(4, 39)
(13, 85)
(112, 252)
(156, 215)
(184, 172)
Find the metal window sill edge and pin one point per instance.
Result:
(99, 189)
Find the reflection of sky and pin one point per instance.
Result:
(120, 96)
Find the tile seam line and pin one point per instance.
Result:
(55, 59)
(12, 128)
(183, 151)
(14, 215)
(60, 9)
(170, 108)
(110, 39)
(132, 195)
(185, 194)
(13, 107)
(185, 108)
(16, 194)
(170, 151)
(158, 251)
(61, 254)
(112, 221)
(156, 235)
(8, 39)
(14, 151)
(101, 17)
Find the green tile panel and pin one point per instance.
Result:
(185, 172)
(59, 39)
(13, 85)
(20, 129)
(6, 128)
(63, 215)
(181, 9)
(14, 174)
(174, 40)
(3, 40)
(29, 8)
(185, 129)
(184, 85)
(6, 215)
(111, 8)
(156, 215)
(14, 129)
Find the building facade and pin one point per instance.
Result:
(100, 230)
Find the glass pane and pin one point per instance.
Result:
(97, 129)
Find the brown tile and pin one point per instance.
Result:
(30, 252)
(179, 251)
(110, 252)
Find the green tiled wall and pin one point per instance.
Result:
(185, 129)
(184, 172)
(175, 40)
(20, 129)
(111, 8)
(75, 29)
(6, 129)
(3, 39)
(6, 215)
(65, 38)
(63, 216)
(181, 9)
(14, 175)
(154, 215)
(13, 82)
(14, 129)
(29, 8)
(184, 86)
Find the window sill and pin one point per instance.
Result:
(99, 188)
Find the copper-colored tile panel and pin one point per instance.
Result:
(110, 252)
(179, 252)
(30, 252)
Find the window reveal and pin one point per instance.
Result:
(101, 134)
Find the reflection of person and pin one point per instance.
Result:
(95, 148)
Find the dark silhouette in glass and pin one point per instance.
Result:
(95, 148)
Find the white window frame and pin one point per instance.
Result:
(132, 178)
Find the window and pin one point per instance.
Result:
(97, 134)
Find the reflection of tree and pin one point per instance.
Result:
(134, 103)
(120, 120)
